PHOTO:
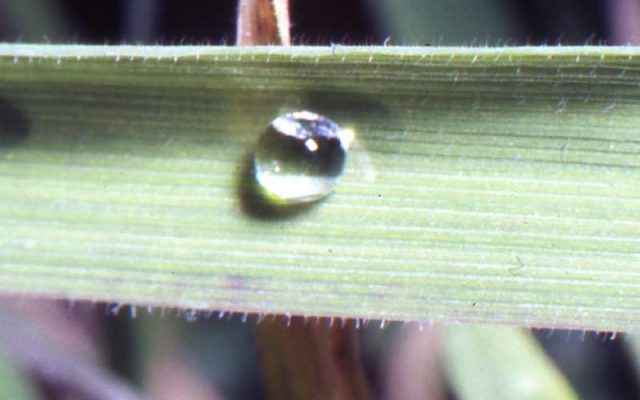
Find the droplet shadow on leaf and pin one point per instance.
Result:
(14, 124)
(256, 203)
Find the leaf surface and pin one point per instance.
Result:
(485, 185)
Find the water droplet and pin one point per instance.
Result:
(300, 157)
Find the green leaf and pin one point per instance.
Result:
(489, 362)
(486, 184)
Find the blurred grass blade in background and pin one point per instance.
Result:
(633, 346)
(486, 184)
(14, 384)
(35, 20)
(441, 22)
(491, 362)
(53, 362)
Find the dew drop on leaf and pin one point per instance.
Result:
(300, 157)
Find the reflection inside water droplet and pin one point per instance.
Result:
(300, 157)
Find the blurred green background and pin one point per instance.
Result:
(180, 354)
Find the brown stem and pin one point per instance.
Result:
(262, 22)
(310, 360)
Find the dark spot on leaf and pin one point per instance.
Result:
(236, 281)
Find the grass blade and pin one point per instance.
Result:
(488, 185)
